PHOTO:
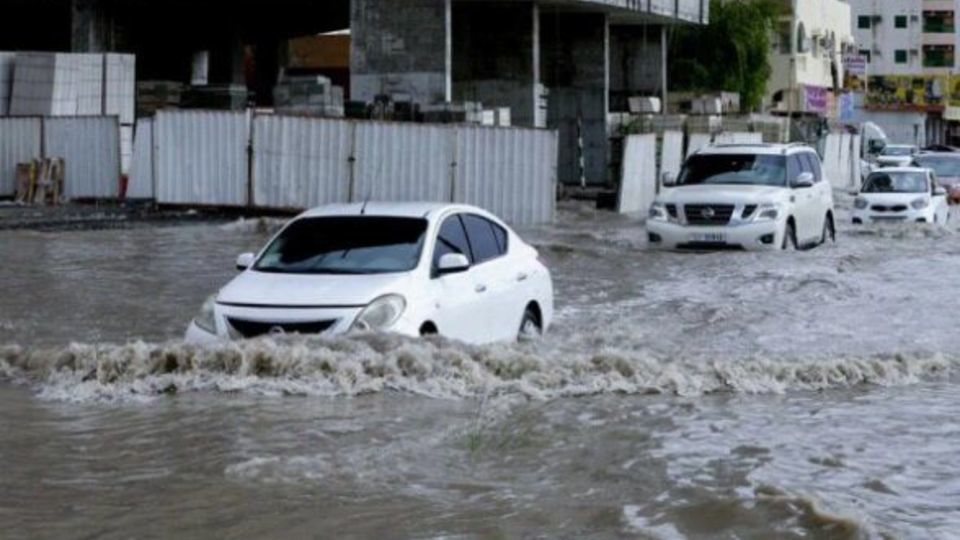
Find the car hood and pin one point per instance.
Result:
(313, 290)
(723, 194)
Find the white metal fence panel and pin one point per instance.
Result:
(856, 176)
(638, 185)
(90, 146)
(511, 172)
(402, 162)
(119, 88)
(301, 162)
(846, 165)
(141, 181)
(89, 87)
(671, 153)
(20, 141)
(697, 142)
(831, 160)
(201, 157)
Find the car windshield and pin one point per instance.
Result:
(737, 169)
(346, 245)
(897, 151)
(942, 165)
(896, 182)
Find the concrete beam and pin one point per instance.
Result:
(91, 26)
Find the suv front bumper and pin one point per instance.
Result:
(760, 236)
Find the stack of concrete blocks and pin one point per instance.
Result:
(311, 96)
(7, 62)
(153, 96)
(644, 105)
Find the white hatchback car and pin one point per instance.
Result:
(408, 268)
(901, 194)
(745, 196)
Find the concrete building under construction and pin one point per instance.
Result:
(562, 64)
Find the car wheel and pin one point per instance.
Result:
(530, 328)
(789, 237)
(829, 231)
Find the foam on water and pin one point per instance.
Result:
(436, 368)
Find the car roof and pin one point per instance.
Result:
(900, 146)
(954, 155)
(769, 149)
(426, 210)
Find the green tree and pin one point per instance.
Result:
(729, 54)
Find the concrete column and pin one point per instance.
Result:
(575, 68)
(496, 56)
(637, 63)
(91, 26)
(400, 47)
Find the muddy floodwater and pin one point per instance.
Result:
(729, 395)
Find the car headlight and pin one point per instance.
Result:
(768, 212)
(658, 212)
(206, 319)
(381, 314)
(920, 204)
(860, 203)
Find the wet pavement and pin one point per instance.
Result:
(729, 395)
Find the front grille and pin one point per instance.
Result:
(886, 208)
(705, 215)
(252, 329)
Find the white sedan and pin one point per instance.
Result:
(902, 194)
(415, 269)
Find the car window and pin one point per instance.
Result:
(805, 165)
(815, 166)
(452, 238)
(501, 235)
(482, 238)
(793, 168)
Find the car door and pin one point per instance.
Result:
(497, 279)
(456, 310)
(823, 191)
(804, 199)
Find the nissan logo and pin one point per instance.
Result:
(708, 213)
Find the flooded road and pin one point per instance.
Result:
(730, 395)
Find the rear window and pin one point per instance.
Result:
(346, 245)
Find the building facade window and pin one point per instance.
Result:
(863, 21)
(900, 56)
(938, 22)
(900, 21)
(866, 54)
(938, 56)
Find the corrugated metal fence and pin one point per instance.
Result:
(295, 162)
(89, 145)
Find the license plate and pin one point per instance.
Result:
(713, 238)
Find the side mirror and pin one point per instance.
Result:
(802, 181)
(939, 192)
(875, 146)
(453, 263)
(668, 179)
(245, 261)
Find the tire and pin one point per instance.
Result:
(829, 231)
(531, 328)
(789, 237)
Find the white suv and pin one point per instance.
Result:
(757, 196)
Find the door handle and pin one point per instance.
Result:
(481, 289)
(522, 276)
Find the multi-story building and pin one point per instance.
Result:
(909, 49)
(807, 56)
